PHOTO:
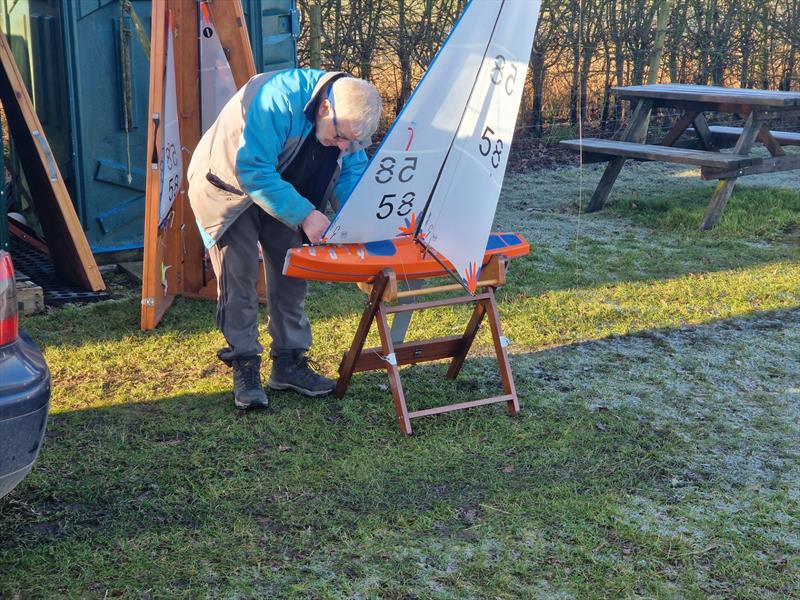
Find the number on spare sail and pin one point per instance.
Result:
(217, 85)
(171, 159)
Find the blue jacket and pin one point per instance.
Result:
(239, 160)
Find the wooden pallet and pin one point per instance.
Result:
(30, 297)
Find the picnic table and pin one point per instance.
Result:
(760, 107)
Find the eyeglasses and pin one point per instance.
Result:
(339, 137)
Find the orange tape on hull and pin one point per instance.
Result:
(362, 262)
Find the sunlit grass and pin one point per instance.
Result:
(656, 455)
(751, 212)
(144, 366)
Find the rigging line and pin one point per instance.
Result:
(405, 278)
(424, 210)
(447, 269)
(408, 286)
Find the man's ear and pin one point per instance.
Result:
(324, 108)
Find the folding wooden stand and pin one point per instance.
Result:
(391, 356)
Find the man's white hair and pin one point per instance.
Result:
(358, 103)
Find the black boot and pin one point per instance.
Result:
(291, 370)
(247, 389)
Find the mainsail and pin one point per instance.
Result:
(217, 85)
(171, 175)
(438, 173)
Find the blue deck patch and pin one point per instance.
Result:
(494, 242)
(381, 248)
(511, 239)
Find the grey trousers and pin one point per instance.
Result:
(234, 259)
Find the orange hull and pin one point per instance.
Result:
(362, 262)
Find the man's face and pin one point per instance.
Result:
(332, 131)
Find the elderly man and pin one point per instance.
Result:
(287, 144)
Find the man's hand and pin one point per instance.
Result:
(314, 225)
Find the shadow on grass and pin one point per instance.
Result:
(165, 492)
(183, 473)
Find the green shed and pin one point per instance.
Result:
(87, 72)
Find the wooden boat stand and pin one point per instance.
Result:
(391, 356)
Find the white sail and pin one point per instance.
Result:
(389, 197)
(217, 85)
(445, 157)
(171, 158)
(458, 221)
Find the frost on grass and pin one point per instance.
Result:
(549, 206)
(543, 209)
(726, 388)
(569, 189)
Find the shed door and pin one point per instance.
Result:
(273, 26)
(109, 86)
(33, 29)
(109, 76)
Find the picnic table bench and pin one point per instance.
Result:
(759, 107)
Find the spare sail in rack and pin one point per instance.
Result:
(444, 159)
(217, 85)
(171, 172)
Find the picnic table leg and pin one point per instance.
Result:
(679, 127)
(635, 132)
(704, 133)
(725, 187)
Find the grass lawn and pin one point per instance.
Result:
(658, 453)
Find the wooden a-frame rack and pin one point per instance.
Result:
(391, 356)
(173, 253)
(67, 246)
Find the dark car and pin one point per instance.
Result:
(24, 388)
